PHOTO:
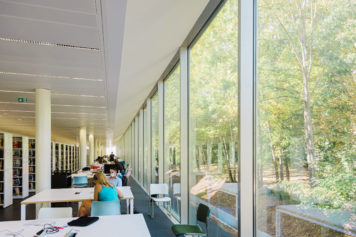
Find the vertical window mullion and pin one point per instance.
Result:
(149, 136)
(160, 132)
(184, 103)
(246, 115)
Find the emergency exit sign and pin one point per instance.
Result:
(22, 100)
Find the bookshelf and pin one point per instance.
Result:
(20, 167)
(66, 165)
(57, 153)
(32, 164)
(61, 157)
(5, 169)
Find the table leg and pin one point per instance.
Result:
(127, 206)
(23, 212)
(131, 206)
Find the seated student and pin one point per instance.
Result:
(103, 191)
(114, 180)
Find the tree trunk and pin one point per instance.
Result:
(308, 129)
(281, 176)
(274, 160)
(286, 164)
(227, 162)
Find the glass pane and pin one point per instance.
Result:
(305, 165)
(140, 147)
(145, 153)
(154, 172)
(213, 122)
(172, 138)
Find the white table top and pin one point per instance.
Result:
(69, 195)
(89, 174)
(122, 225)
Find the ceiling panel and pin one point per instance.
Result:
(48, 55)
(85, 6)
(153, 34)
(39, 13)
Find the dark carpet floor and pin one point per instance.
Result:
(158, 226)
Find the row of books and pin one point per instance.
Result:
(32, 177)
(32, 186)
(32, 152)
(17, 192)
(32, 145)
(31, 169)
(17, 153)
(16, 144)
(16, 182)
(17, 163)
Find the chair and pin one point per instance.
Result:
(54, 212)
(202, 215)
(157, 190)
(176, 193)
(80, 181)
(105, 208)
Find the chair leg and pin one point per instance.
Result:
(153, 209)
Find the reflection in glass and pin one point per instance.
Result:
(172, 138)
(155, 163)
(305, 164)
(213, 122)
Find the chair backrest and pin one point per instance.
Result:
(54, 212)
(128, 172)
(158, 189)
(203, 213)
(105, 208)
(176, 188)
(80, 179)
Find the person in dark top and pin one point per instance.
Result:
(112, 157)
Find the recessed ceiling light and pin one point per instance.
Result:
(50, 76)
(48, 44)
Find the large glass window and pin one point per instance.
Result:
(213, 122)
(154, 120)
(146, 162)
(172, 138)
(140, 146)
(306, 113)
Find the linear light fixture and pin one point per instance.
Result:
(48, 44)
(55, 105)
(50, 76)
(60, 94)
(27, 111)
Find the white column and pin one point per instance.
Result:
(96, 149)
(43, 139)
(91, 149)
(83, 147)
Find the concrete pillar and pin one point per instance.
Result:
(91, 149)
(43, 139)
(83, 147)
(96, 149)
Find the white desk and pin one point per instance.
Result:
(122, 225)
(69, 195)
(89, 174)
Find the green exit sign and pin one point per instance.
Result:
(22, 100)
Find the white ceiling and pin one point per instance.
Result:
(153, 34)
(100, 59)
